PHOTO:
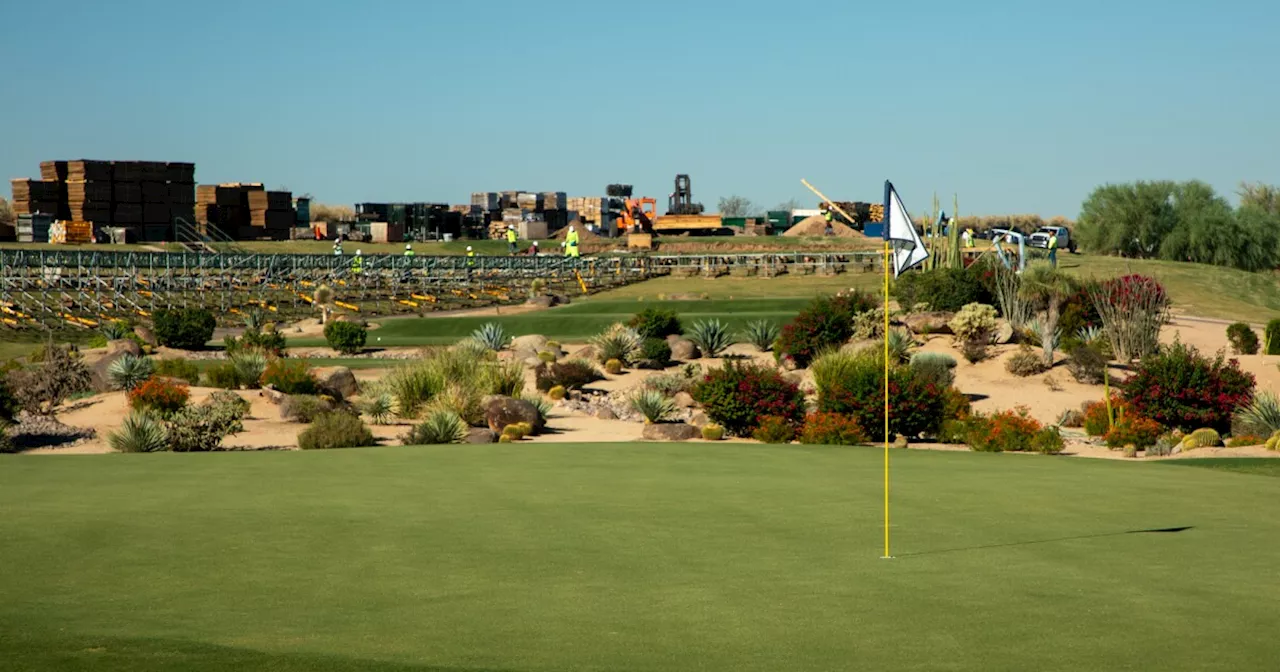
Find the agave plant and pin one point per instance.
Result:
(1036, 328)
(116, 330)
(253, 320)
(130, 371)
(618, 342)
(760, 333)
(492, 336)
(140, 433)
(900, 344)
(1089, 335)
(379, 407)
(711, 336)
(441, 426)
(653, 405)
(1260, 418)
(249, 365)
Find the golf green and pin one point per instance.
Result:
(632, 557)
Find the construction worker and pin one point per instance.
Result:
(337, 246)
(471, 261)
(571, 243)
(1053, 249)
(533, 249)
(511, 239)
(408, 249)
(357, 264)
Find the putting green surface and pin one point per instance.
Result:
(632, 557)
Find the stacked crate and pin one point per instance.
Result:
(270, 213)
(245, 211)
(588, 209)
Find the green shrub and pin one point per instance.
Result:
(160, 396)
(115, 330)
(130, 371)
(761, 334)
(1025, 362)
(224, 375)
(378, 407)
(290, 376)
(180, 369)
(462, 397)
(854, 385)
(1244, 340)
(304, 408)
(440, 427)
(504, 378)
(201, 428)
(712, 432)
(656, 323)
(335, 430)
(670, 384)
(832, 429)
(618, 342)
(1048, 441)
(345, 337)
(1259, 417)
(141, 432)
(774, 429)
(184, 329)
(492, 336)
(1086, 364)
(1180, 388)
(737, 395)
(572, 374)
(654, 354)
(944, 289)
(413, 385)
(254, 338)
(974, 322)
(250, 366)
(1004, 431)
(900, 344)
(1272, 337)
(935, 367)
(653, 405)
(229, 399)
(826, 323)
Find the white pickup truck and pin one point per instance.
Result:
(1041, 238)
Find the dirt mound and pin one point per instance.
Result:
(583, 235)
(817, 226)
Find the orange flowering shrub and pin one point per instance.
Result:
(159, 395)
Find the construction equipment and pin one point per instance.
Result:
(681, 200)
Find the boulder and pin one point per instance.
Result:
(273, 395)
(1003, 335)
(699, 419)
(588, 353)
(146, 335)
(683, 350)
(337, 381)
(531, 343)
(99, 379)
(936, 322)
(541, 301)
(124, 345)
(531, 362)
(480, 435)
(502, 411)
(606, 413)
(674, 431)
(788, 363)
(683, 400)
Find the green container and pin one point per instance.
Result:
(735, 222)
(779, 219)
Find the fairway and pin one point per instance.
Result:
(631, 557)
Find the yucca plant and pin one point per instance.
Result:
(711, 336)
(413, 385)
(115, 330)
(505, 378)
(1260, 418)
(249, 365)
(140, 433)
(900, 344)
(493, 336)
(653, 405)
(618, 342)
(378, 408)
(440, 427)
(130, 371)
(760, 333)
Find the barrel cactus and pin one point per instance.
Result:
(1201, 438)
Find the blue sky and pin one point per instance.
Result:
(1015, 106)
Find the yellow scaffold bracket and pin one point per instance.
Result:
(348, 306)
(424, 297)
(581, 282)
(411, 304)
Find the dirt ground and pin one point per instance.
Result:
(1046, 396)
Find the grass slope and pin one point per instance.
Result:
(1261, 466)
(630, 557)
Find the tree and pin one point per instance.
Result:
(1262, 196)
(1129, 220)
(1049, 287)
(736, 206)
(788, 206)
(7, 218)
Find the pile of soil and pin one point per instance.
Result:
(817, 226)
(583, 235)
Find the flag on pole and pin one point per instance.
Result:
(900, 231)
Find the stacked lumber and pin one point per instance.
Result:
(35, 196)
(589, 209)
(245, 211)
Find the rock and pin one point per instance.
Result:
(588, 353)
(124, 345)
(606, 413)
(675, 431)
(901, 441)
(793, 377)
(146, 335)
(1003, 334)
(531, 362)
(337, 381)
(936, 322)
(479, 435)
(273, 395)
(502, 411)
(788, 363)
(699, 419)
(531, 343)
(541, 301)
(683, 350)
(99, 379)
(683, 400)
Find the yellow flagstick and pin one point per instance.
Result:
(887, 260)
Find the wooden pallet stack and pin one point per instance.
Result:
(32, 197)
(270, 213)
(245, 210)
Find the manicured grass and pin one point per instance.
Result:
(631, 557)
(1261, 466)
(1196, 289)
(349, 362)
(575, 322)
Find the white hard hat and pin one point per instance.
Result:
(357, 253)
(468, 248)
(571, 229)
(407, 246)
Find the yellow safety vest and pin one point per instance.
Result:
(511, 235)
(408, 253)
(1053, 242)
(572, 239)
(357, 264)
(471, 258)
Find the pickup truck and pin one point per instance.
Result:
(1041, 238)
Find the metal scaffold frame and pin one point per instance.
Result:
(54, 288)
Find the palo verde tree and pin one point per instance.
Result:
(1049, 287)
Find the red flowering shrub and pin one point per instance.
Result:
(159, 395)
(774, 429)
(1132, 309)
(832, 429)
(737, 396)
(1005, 431)
(1133, 291)
(827, 322)
(1133, 429)
(916, 404)
(1181, 389)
